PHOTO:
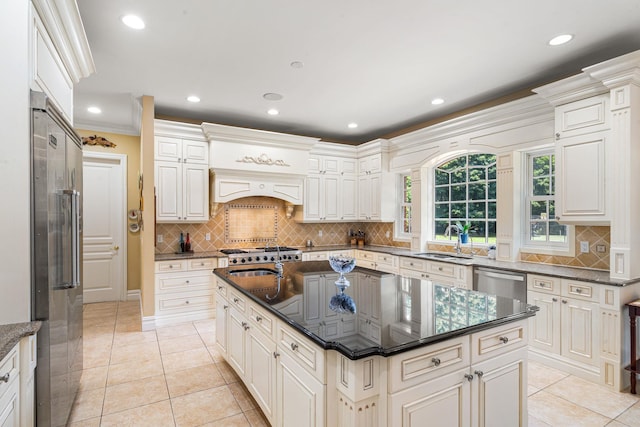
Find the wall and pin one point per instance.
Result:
(130, 146)
(147, 261)
(15, 161)
(289, 232)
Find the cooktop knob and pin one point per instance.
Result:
(243, 260)
(235, 261)
(249, 259)
(266, 258)
(273, 258)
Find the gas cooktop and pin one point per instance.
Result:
(262, 255)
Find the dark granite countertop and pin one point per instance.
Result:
(189, 255)
(401, 313)
(11, 334)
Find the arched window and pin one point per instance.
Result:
(465, 193)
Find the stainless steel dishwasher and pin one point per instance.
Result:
(504, 283)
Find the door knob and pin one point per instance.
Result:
(116, 247)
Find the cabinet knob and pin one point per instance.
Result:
(504, 339)
(435, 361)
(258, 319)
(224, 307)
(220, 288)
(578, 290)
(186, 302)
(276, 355)
(564, 301)
(235, 300)
(294, 346)
(554, 299)
(479, 373)
(186, 281)
(542, 285)
(557, 135)
(170, 266)
(5, 377)
(469, 377)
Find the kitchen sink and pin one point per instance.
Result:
(439, 255)
(253, 272)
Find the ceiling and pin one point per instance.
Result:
(375, 63)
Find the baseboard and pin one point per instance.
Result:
(148, 323)
(134, 295)
(589, 373)
(152, 322)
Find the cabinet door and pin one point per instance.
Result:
(544, 327)
(168, 149)
(222, 316)
(330, 191)
(312, 198)
(236, 341)
(348, 197)
(375, 191)
(300, 397)
(364, 198)
(312, 295)
(499, 391)
(196, 192)
(580, 331)
(442, 402)
(581, 179)
(261, 369)
(169, 191)
(195, 152)
(10, 406)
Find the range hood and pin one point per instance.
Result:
(248, 162)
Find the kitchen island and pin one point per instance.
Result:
(414, 350)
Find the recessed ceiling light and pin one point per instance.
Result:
(561, 39)
(352, 125)
(133, 21)
(273, 112)
(193, 98)
(269, 96)
(297, 64)
(94, 110)
(437, 101)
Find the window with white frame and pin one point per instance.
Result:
(465, 193)
(403, 223)
(541, 227)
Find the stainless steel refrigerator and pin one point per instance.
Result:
(56, 213)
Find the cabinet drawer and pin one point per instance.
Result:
(365, 255)
(490, 343)
(586, 115)
(316, 256)
(169, 266)
(423, 364)
(10, 366)
(187, 302)
(441, 269)
(178, 282)
(263, 321)
(345, 253)
(308, 355)
(413, 264)
(203, 264)
(221, 288)
(237, 300)
(545, 284)
(580, 290)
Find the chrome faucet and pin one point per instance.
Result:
(278, 264)
(447, 232)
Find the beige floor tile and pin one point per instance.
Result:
(631, 416)
(244, 399)
(215, 353)
(204, 407)
(135, 393)
(209, 338)
(592, 396)
(132, 352)
(531, 390)
(92, 357)
(558, 412)
(257, 419)
(193, 380)
(130, 326)
(238, 420)
(186, 359)
(175, 331)
(541, 376)
(208, 325)
(134, 370)
(97, 322)
(93, 378)
(88, 404)
(228, 373)
(111, 307)
(154, 415)
(615, 423)
(534, 422)
(127, 338)
(98, 331)
(176, 345)
(91, 422)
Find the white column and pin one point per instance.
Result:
(508, 207)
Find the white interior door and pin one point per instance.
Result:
(104, 213)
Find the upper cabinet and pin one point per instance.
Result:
(374, 180)
(181, 177)
(582, 161)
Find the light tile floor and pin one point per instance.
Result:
(174, 376)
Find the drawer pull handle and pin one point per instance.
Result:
(479, 373)
(436, 361)
(276, 355)
(258, 319)
(202, 264)
(187, 282)
(542, 285)
(170, 266)
(220, 288)
(564, 301)
(224, 307)
(5, 377)
(504, 339)
(578, 290)
(187, 302)
(554, 299)
(235, 300)
(294, 346)
(469, 377)
(245, 326)
(439, 268)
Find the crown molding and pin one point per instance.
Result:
(232, 134)
(178, 130)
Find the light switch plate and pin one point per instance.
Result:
(584, 247)
(207, 236)
(160, 238)
(601, 248)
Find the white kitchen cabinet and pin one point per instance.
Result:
(322, 198)
(300, 396)
(184, 290)
(182, 180)
(222, 321)
(439, 272)
(583, 162)
(374, 181)
(261, 367)
(237, 341)
(17, 393)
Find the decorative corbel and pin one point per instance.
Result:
(214, 208)
(289, 208)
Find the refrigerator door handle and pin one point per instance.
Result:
(75, 241)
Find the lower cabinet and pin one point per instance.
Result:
(300, 396)
(17, 393)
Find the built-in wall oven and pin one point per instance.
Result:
(506, 283)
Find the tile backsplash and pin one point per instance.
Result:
(289, 232)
